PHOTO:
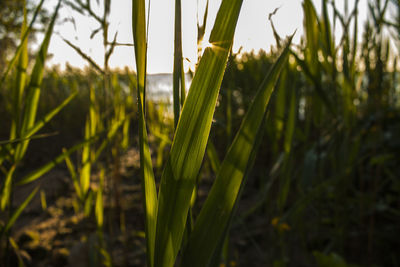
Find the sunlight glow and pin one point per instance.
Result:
(253, 32)
(206, 44)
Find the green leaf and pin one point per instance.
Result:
(327, 33)
(280, 108)
(72, 172)
(87, 205)
(33, 93)
(18, 212)
(87, 164)
(213, 157)
(178, 82)
(218, 209)
(146, 168)
(317, 83)
(190, 140)
(18, 90)
(99, 201)
(34, 175)
(39, 124)
(110, 136)
(7, 189)
(290, 123)
(312, 33)
(22, 44)
(17, 252)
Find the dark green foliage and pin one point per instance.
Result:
(11, 18)
(335, 187)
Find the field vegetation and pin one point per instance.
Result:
(281, 158)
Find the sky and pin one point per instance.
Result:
(253, 31)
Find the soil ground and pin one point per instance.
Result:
(58, 235)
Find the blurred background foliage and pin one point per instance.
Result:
(11, 18)
(331, 139)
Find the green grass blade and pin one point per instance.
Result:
(286, 176)
(190, 140)
(146, 168)
(43, 201)
(183, 84)
(21, 45)
(87, 204)
(110, 136)
(17, 252)
(39, 125)
(86, 168)
(18, 90)
(125, 134)
(229, 114)
(327, 32)
(353, 63)
(33, 93)
(290, 126)
(18, 211)
(7, 142)
(34, 175)
(6, 189)
(213, 157)
(312, 33)
(218, 209)
(93, 112)
(317, 83)
(72, 172)
(99, 210)
(280, 107)
(177, 74)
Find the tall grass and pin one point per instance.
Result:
(166, 214)
(24, 125)
(326, 128)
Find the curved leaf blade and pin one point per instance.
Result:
(191, 136)
(218, 209)
(146, 168)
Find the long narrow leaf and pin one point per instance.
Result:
(20, 81)
(21, 45)
(34, 175)
(146, 168)
(72, 172)
(291, 123)
(87, 164)
(213, 157)
(39, 124)
(33, 93)
(6, 189)
(217, 210)
(190, 140)
(110, 136)
(18, 211)
(177, 75)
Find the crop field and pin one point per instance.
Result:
(289, 157)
